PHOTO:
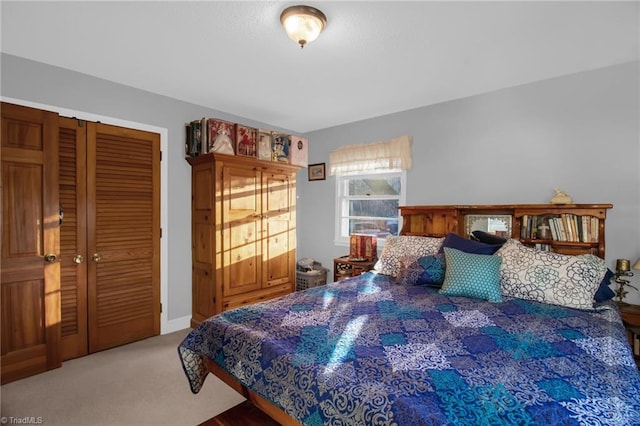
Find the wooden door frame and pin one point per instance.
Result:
(166, 326)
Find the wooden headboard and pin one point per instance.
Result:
(583, 225)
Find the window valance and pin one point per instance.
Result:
(363, 158)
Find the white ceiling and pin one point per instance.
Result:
(374, 57)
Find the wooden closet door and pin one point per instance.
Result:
(30, 247)
(123, 225)
(73, 236)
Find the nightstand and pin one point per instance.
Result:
(631, 317)
(345, 268)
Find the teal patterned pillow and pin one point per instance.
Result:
(433, 270)
(472, 275)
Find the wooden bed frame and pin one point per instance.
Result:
(437, 221)
(265, 406)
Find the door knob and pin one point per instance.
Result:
(78, 259)
(96, 257)
(50, 257)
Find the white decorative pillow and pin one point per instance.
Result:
(399, 249)
(543, 276)
(409, 271)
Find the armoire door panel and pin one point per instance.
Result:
(123, 222)
(73, 236)
(278, 253)
(203, 300)
(30, 243)
(242, 229)
(202, 233)
(243, 261)
(203, 198)
(279, 241)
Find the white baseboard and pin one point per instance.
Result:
(177, 324)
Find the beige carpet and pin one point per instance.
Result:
(137, 384)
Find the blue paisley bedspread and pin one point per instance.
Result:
(365, 351)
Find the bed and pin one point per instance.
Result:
(427, 339)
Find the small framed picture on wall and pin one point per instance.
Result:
(317, 171)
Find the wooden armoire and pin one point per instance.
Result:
(80, 238)
(243, 232)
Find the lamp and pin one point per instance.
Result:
(623, 270)
(303, 24)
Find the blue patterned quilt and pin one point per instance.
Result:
(365, 351)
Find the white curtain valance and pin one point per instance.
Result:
(362, 158)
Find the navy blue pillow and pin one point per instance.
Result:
(604, 293)
(485, 237)
(468, 246)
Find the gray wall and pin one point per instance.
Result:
(579, 133)
(36, 82)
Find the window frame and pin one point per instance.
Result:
(342, 200)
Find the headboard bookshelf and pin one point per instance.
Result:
(563, 228)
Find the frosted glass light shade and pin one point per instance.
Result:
(303, 24)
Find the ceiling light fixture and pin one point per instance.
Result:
(303, 24)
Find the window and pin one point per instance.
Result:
(368, 204)
(370, 186)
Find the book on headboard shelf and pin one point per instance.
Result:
(562, 227)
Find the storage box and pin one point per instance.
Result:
(280, 147)
(299, 151)
(246, 141)
(305, 280)
(220, 137)
(363, 247)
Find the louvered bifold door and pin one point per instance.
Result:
(72, 154)
(123, 225)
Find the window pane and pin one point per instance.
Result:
(374, 208)
(381, 228)
(374, 186)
